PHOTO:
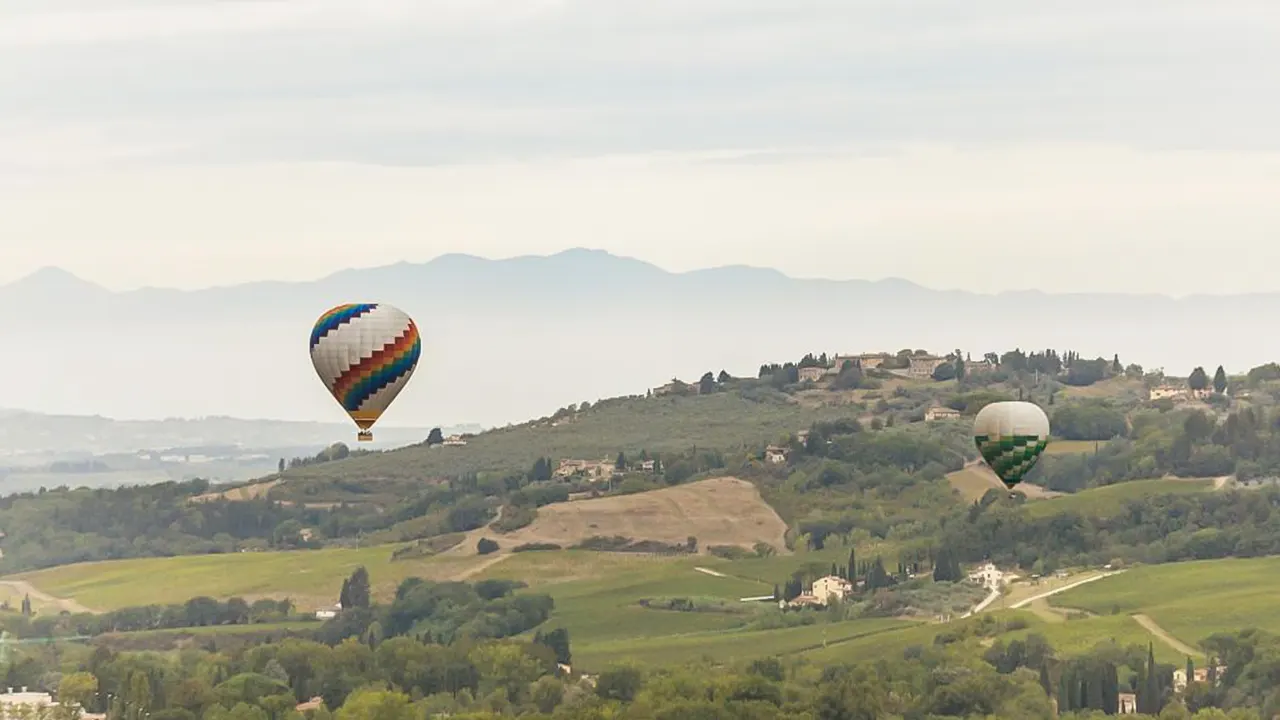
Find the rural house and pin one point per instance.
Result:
(922, 366)
(16, 704)
(1161, 392)
(987, 575)
(811, 374)
(805, 600)
(1201, 676)
(775, 455)
(941, 413)
(838, 362)
(592, 469)
(455, 440)
(825, 588)
(871, 361)
(1127, 704)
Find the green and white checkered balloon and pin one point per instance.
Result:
(1011, 436)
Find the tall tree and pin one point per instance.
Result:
(435, 437)
(358, 588)
(1198, 380)
(26, 605)
(1220, 380)
(707, 383)
(1150, 695)
(621, 462)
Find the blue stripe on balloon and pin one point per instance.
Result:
(370, 386)
(334, 320)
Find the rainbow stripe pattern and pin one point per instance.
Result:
(365, 353)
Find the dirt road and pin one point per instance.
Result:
(1150, 626)
(22, 587)
(480, 567)
(1027, 601)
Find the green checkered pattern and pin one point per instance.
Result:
(1011, 456)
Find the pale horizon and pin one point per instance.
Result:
(1000, 146)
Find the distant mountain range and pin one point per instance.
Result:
(27, 437)
(511, 339)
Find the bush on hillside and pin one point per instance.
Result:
(730, 552)
(486, 546)
(513, 518)
(533, 547)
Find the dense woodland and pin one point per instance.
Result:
(433, 658)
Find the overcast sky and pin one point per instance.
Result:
(1124, 145)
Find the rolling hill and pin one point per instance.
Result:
(719, 511)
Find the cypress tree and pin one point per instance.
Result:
(1110, 689)
(1151, 686)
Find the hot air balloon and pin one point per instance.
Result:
(1011, 437)
(365, 354)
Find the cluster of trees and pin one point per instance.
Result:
(1153, 529)
(64, 526)
(1187, 443)
(336, 451)
(961, 674)
(442, 612)
(196, 612)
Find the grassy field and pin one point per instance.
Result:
(312, 578)
(734, 645)
(661, 424)
(598, 601)
(1070, 447)
(1071, 637)
(1189, 600)
(1108, 500)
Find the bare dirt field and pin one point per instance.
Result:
(976, 479)
(240, 494)
(719, 511)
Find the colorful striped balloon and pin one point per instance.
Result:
(365, 354)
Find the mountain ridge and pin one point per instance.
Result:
(506, 339)
(571, 259)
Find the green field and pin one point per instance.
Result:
(1189, 600)
(663, 424)
(1069, 447)
(1067, 638)
(734, 645)
(312, 578)
(1110, 499)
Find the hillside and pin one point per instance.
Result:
(1186, 602)
(719, 511)
(627, 424)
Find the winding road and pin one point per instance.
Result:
(22, 587)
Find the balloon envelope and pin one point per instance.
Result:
(365, 354)
(1011, 436)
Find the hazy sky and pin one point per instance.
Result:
(1126, 145)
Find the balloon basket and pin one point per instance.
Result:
(364, 436)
